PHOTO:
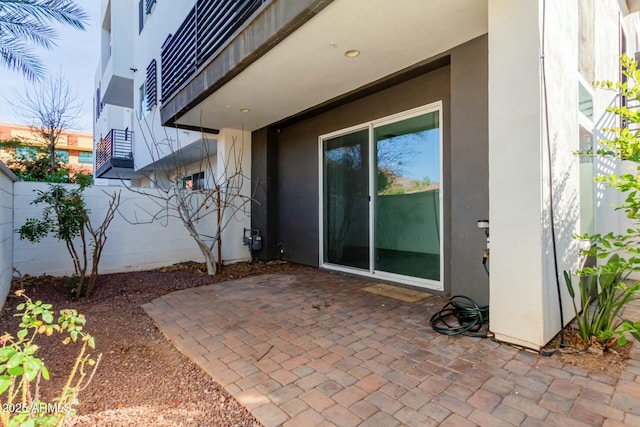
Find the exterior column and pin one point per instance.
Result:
(515, 177)
(233, 168)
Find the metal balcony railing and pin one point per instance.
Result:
(116, 145)
(206, 28)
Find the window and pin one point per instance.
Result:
(193, 182)
(585, 100)
(85, 158)
(586, 150)
(62, 156)
(98, 109)
(141, 16)
(26, 152)
(141, 101)
(151, 85)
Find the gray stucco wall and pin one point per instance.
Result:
(6, 231)
(469, 168)
(462, 87)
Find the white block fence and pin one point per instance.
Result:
(7, 179)
(141, 246)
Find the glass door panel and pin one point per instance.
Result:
(407, 198)
(346, 200)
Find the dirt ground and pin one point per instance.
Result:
(142, 379)
(611, 361)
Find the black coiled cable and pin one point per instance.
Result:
(461, 316)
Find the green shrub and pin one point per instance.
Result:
(21, 370)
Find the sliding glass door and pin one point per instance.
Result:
(346, 199)
(381, 198)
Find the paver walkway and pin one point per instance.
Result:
(312, 349)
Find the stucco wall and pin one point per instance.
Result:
(6, 231)
(462, 89)
(129, 247)
(533, 110)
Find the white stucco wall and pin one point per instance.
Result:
(153, 141)
(129, 247)
(234, 151)
(6, 231)
(515, 177)
(524, 295)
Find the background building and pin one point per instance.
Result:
(75, 148)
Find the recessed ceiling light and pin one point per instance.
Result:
(352, 53)
(245, 110)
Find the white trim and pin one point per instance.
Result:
(371, 272)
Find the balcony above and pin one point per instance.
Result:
(114, 155)
(293, 56)
(118, 86)
(208, 26)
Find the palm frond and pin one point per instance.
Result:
(29, 21)
(16, 55)
(34, 32)
(63, 11)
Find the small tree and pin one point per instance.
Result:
(604, 285)
(50, 108)
(217, 191)
(66, 217)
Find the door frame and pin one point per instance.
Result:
(437, 285)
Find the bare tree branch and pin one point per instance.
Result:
(50, 108)
(193, 186)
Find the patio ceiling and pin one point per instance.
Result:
(309, 67)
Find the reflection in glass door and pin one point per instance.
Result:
(346, 199)
(381, 198)
(407, 198)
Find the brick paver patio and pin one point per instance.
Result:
(312, 349)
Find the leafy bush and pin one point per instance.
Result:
(606, 284)
(66, 217)
(33, 163)
(603, 295)
(21, 370)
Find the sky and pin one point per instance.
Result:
(75, 57)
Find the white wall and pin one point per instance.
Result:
(164, 19)
(129, 247)
(6, 231)
(234, 150)
(523, 290)
(515, 176)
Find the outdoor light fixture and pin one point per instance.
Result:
(352, 53)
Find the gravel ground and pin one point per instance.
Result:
(142, 380)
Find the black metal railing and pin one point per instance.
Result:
(117, 144)
(209, 25)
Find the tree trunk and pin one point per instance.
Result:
(207, 252)
(52, 155)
